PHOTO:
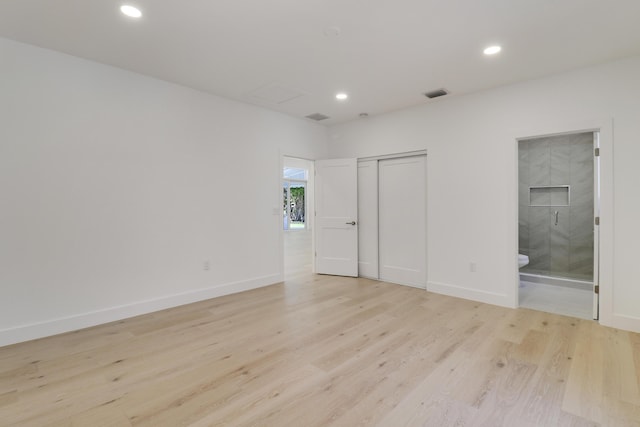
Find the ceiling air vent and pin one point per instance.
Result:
(436, 93)
(317, 117)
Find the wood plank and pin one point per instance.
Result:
(325, 351)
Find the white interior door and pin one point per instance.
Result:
(402, 221)
(336, 217)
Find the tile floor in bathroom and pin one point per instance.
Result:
(557, 299)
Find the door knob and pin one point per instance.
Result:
(351, 223)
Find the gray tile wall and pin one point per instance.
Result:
(565, 249)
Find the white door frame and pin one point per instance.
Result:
(596, 226)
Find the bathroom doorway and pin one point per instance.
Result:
(558, 187)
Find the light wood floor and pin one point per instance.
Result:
(327, 351)
(297, 253)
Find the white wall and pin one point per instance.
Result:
(472, 177)
(117, 187)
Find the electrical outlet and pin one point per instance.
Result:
(206, 265)
(473, 266)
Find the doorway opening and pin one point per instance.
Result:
(294, 198)
(294, 201)
(559, 196)
(297, 202)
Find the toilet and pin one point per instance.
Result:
(522, 260)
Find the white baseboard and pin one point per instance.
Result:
(470, 294)
(71, 323)
(411, 285)
(621, 321)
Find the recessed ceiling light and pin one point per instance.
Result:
(341, 96)
(492, 50)
(131, 11)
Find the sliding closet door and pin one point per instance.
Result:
(368, 219)
(402, 220)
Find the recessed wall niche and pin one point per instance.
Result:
(550, 195)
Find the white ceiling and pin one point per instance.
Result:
(388, 52)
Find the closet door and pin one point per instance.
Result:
(402, 221)
(368, 219)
